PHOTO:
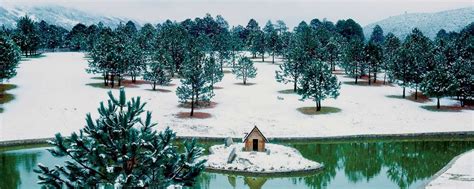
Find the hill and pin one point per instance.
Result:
(58, 15)
(428, 23)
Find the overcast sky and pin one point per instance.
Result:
(240, 11)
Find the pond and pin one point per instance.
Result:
(348, 164)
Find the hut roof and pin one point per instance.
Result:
(255, 129)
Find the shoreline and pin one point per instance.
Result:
(443, 170)
(296, 173)
(407, 136)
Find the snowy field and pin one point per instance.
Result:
(52, 96)
(459, 175)
(278, 160)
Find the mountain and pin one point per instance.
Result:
(53, 14)
(428, 23)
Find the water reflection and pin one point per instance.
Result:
(10, 166)
(382, 164)
(364, 164)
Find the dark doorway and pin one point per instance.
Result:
(255, 144)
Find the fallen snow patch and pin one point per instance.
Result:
(276, 159)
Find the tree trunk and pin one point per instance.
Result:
(318, 105)
(105, 79)
(369, 78)
(263, 57)
(403, 92)
(119, 80)
(112, 78)
(154, 85)
(416, 92)
(192, 105)
(294, 85)
(384, 77)
(273, 57)
(437, 104)
(375, 76)
(356, 79)
(463, 101)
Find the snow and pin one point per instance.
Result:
(460, 175)
(52, 96)
(280, 159)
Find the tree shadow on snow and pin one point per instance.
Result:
(200, 105)
(247, 84)
(421, 98)
(366, 83)
(159, 90)
(197, 115)
(102, 86)
(433, 108)
(287, 91)
(324, 110)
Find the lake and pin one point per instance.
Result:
(347, 164)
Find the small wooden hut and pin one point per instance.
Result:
(255, 141)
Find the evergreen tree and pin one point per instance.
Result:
(26, 36)
(147, 38)
(77, 37)
(257, 43)
(195, 84)
(373, 58)
(333, 51)
(377, 35)
(104, 57)
(156, 71)
(390, 49)
(251, 31)
(121, 149)
(350, 29)
(463, 71)
(401, 69)
(173, 38)
(420, 52)
(281, 27)
(440, 81)
(271, 39)
(236, 42)
(10, 56)
(244, 69)
(353, 58)
(293, 67)
(213, 70)
(318, 83)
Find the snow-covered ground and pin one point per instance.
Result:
(460, 174)
(52, 96)
(278, 159)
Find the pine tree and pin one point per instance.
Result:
(121, 149)
(390, 48)
(77, 37)
(195, 84)
(353, 57)
(318, 83)
(244, 70)
(373, 59)
(156, 72)
(333, 51)
(440, 81)
(377, 35)
(420, 52)
(401, 69)
(26, 36)
(293, 67)
(212, 70)
(271, 39)
(236, 42)
(10, 56)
